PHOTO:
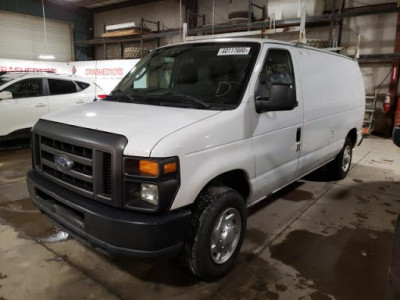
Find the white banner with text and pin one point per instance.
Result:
(105, 73)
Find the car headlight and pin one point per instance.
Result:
(150, 184)
(149, 193)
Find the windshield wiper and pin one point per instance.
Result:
(188, 97)
(125, 93)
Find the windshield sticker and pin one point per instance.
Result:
(234, 51)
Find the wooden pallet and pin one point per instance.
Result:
(125, 32)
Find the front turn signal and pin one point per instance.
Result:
(170, 168)
(148, 167)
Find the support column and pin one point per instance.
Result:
(394, 82)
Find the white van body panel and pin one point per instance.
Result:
(209, 148)
(142, 125)
(222, 143)
(330, 93)
(334, 102)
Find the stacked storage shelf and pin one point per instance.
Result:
(370, 104)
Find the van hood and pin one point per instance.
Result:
(143, 125)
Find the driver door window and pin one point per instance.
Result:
(27, 88)
(277, 69)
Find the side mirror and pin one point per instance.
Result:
(396, 136)
(5, 95)
(282, 97)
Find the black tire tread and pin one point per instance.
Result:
(335, 166)
(205, 202)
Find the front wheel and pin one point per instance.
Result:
(218, 227)
(340, 166)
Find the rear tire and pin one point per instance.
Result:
(217, 231)
(340, 166)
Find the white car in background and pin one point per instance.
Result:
(25, 97)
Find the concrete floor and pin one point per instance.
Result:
(314, 240)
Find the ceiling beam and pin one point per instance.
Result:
(367, 9)
(64, 6)
(83, 3)
(121, 5)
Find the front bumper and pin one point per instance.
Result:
(108, 229)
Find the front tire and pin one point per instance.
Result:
(340, 166)
(217, 231)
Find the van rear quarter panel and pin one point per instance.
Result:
(334, 103)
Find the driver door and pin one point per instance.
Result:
(28, 104)
(277, 134)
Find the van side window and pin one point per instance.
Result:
(277, 68)
(26, 88)
(60, 87)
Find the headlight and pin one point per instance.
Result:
(149, 193)
(150, 184)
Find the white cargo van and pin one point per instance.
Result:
(190, 138)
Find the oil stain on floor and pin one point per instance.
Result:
(24, 216)
(348, 265)
(13, 165)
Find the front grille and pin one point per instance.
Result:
(77, 217)
(67, 147)
(88, 186)
(89, 162)
(80, 177)
(107, 173)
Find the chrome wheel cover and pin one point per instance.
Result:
(346, 159)
(225, 235)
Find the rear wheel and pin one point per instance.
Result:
(218, 227)
(340, 166)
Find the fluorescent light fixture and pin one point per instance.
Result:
(46, 56)
(120, 26)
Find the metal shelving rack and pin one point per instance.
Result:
(327, 19)
(370, 104)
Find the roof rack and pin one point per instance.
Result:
(27, 72)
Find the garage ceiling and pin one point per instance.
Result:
(97, 5)
(91, 4)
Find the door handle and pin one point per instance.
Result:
(298, 139)
(40, 105)
(80, 101)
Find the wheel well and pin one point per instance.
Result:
(235, 179)
(353, 136)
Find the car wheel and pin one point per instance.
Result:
(217, 231)
(340, 166)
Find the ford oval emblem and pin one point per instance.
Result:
(63, 162)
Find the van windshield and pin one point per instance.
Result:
(199, 75)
